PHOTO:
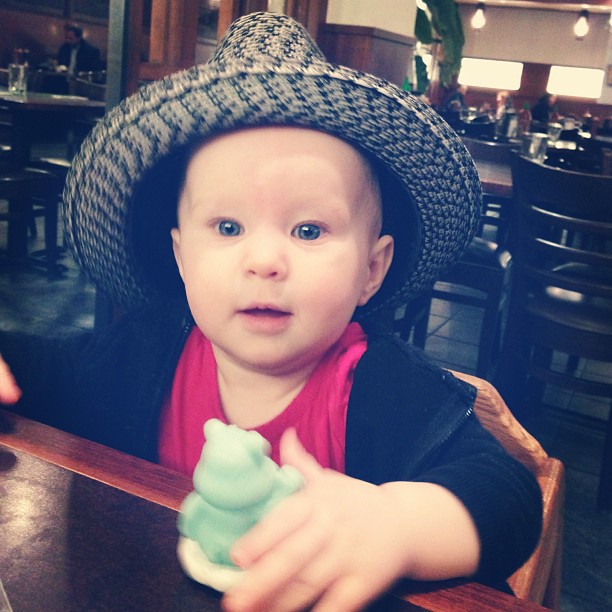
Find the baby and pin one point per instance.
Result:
(257, 218)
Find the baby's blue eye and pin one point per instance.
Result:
(229, 228)
(307, 231)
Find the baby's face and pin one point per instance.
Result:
(277, 244)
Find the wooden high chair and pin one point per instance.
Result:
(539, 579)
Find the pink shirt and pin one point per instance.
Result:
(318, 412)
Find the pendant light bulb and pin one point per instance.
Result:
(479, 19)
(581, 27)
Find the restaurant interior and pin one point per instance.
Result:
(518, 310)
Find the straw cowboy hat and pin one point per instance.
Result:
(121, 193)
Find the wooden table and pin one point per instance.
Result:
(86, 527)
(25, 109)
(495, 177)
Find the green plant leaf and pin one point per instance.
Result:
(421, 74)
(446, 22)
(422, 28)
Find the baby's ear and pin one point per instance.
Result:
(176, 242)
(381, 256)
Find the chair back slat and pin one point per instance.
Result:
(539, 213)
(577, 284)
(560, 316)
(562, 229)
(575, 194)
(494, 151)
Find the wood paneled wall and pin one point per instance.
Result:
(379, 52)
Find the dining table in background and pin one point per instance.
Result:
(495, 177)
(49, 81)
(88, 527)
(26, 111)
(494, 162)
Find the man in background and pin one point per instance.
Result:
(76, 54)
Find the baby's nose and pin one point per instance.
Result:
(267, 258)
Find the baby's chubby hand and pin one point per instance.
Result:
(337, 542)
(9, 391)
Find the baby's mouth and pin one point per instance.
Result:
(265, 312)
(265, 319)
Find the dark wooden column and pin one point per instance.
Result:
(124, 43)
(174, 32)
(311, 13)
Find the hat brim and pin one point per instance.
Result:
(440, 188)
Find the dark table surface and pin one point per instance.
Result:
(27, 112)
(48, 101)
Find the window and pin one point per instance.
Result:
(491, 74)
(579, 82)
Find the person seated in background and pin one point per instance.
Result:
(486, 109)
(453, 103)
(503, 102)
(543, 110)
(456, 101)
(76, 54)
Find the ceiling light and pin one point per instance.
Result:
(581, 27)
(479, 19)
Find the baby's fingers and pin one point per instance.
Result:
(275, 557)
(9, 391)
(280, 523)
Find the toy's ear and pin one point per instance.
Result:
(211, 427)
(257, 445)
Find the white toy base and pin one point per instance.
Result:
(196, 565)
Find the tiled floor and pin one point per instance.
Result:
(28, 300)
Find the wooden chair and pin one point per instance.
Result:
(481, 277)
(29, 192)
(88, 89)
(59, 168)
(411, 320)
(561, 299)
(539, 579)
(496, 209)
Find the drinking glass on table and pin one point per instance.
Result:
(18, 79)
(554, 131)
(534, 146)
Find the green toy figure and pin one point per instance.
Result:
(235, 483)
